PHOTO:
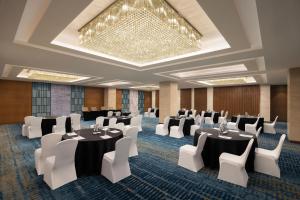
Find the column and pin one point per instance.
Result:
(210, 98)
(153, 99)
(192, 96)
(265, 102)
(169, 99)
(294, 104)
(110, 98)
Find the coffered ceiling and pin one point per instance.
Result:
(266, 44)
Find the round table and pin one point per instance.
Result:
(90, 151)
(215, 146)
(125, 119)
(189, 121)
(49, 122)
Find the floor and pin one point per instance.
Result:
(155, 174)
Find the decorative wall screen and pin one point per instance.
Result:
(77, 98)
(141, 101)
(125, 100)
(41, 99)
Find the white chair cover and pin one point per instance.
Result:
(133, 134)
(35, 128)
(75, 121)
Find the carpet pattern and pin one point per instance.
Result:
(155, 174)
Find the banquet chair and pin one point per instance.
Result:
(223, 118)
(190, 156)
(266, 161)
(84, 109)
(222, 113)
(210, 120)
(177, 131)
(115, 165)
(112, 122)
(35, 128)
(134, 122)
(75, 121)
(94, 108)
(258, 132)
(152, 114)
(193, 115)
(121, 126)
(270, 127)
(48, 143)
(110, 113)
(118, 114)
(202, 113)
(140, 117)
(232, 167)
(234, 125)
(59, 169)
(147, 114)
(133, 134)
(60, 126)
(99, 123)
(251, 128)
(27, 122)
(162, 129)
(199, 121)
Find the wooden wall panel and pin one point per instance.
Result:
(200, 99)
(93, 97)
(119, 99)
(157, 98)
(279, 102)
(237, 100)
(147, 100)
(185, 98)
(16, 98)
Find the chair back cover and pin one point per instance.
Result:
(75, 119)
(122, 151)
(99, 121)
(48, 142)
(202, 113)
(238, 120)
(61, 122)
(65, 152)
(212, 115)
(134, 121)
(186, 113)
(36, 122)
(201, 143)
(149, 110)
(244, 156)
(132, 132)
(222, 112)
(181, 124)
(201, 121)
(118, 114)
(275, 120)
(258, 132)
(166, 122)
(28, 119)
(140, 117)
(120, 126)
(277, 150)
(197, 119)
(112, 122)
(226, 115)
(110, 113)
(255, 124)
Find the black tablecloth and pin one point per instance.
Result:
(157, 113)
(92, 115)
(125, 120)
(215, 146)
(216, 116)
(249, 120)
(49, 122)
(126, 113)
(90, 151)
(174, 121)
(182, 112)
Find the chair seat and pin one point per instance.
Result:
(190, 149)
(110, 156)
(264, 152)
(234, 159)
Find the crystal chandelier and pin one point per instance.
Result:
(140, 31)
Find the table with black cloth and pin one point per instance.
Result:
(215, 146)
(182, 112)
(157, 113)
(49, 122)
(92, 115)
(189, 121)
(90, 151)
(216, 116)
(126, 113)
(249, 120)
(125, 119)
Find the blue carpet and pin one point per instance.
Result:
(155, 174)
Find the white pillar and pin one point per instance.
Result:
(265, 104)
(110, 98)
(192, 99)
(210, 98)
(154, 99)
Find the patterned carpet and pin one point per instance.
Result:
(155, 174)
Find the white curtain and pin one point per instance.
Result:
(133, 101)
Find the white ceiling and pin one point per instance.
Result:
(263, 35)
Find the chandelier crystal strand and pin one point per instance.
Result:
(140, 31)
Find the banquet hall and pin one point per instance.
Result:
(149, 99)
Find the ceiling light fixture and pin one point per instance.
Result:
(50, 76)
(212, 71)
(115, 83)
(229, 81)
(140, 31)
(146, 87)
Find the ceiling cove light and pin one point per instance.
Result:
(212, 71)
(229, 81)
(146, 87)
(140, 31)
(50, 76)
(115, 83)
